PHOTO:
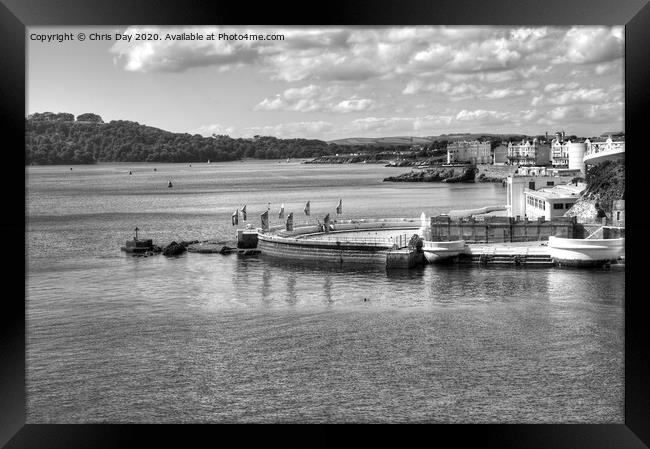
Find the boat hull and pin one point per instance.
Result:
(436, 252)
(585, 252)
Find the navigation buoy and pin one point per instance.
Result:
(70, 168)
(130, 172)
(169, 184)
(154, 169)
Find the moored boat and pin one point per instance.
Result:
(440, 251)
(585, 252)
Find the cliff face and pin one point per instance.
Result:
(442, 174)
(494, 173)
(605, 184)
(586, 211)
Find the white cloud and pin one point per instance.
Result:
(290, 129)
(597, 113)
(215, 128)
(354, 54)
(353, 105)
(571, 94)
(492, 75)
(505, 93)
(313, 98)
(592, 44)
(609, 68)
(553, 87)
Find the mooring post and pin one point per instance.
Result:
(136, 233)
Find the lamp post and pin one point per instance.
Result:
(136, 233)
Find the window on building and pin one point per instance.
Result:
(558, 206)
(543, 205)
(618, 215)
(531, 185)
(550, 183)
(568, 205)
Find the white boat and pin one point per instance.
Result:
(439, 251)
(585, 252)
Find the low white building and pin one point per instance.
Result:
(516, 186)
(550, 202)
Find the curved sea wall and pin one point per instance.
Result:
(310, 243)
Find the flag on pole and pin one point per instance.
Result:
(235, 218)
(339, 208)
(307, 208)
(289, 224)
(281, 213)
(243, 213)
(265, 221)
(326, 223)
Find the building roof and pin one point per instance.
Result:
(559, 192)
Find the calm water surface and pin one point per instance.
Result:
(212, 338)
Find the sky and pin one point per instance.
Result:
(332, 82)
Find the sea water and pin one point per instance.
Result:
(213, 338)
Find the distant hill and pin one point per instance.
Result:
(59, 138)
(427, 140)
(399, 140)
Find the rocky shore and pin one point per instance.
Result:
(442, 174)
(346, 159)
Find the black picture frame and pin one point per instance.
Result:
(15, 15)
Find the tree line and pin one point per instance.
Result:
(57, 138)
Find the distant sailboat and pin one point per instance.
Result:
(208, 161)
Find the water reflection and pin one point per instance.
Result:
(266, 284)
(292, 296)
(327, 288)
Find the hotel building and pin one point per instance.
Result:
(473, 152)
(528, 153)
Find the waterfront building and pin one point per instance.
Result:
(516, 185)
(473, 152)
(560, 153)
(529, 153)
(500, 156)
(551, 202)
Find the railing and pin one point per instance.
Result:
(600, 147)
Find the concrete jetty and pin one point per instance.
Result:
(519, 254)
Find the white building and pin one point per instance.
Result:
(529, 153)
(473, 152)
(551, 202)
(560, 153)
(516, 185)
